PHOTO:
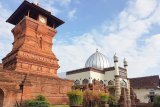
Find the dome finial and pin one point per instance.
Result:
(97, 50)
(125, 62)
(115, 57)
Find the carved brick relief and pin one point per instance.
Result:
(33, 49)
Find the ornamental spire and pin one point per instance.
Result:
(125, 62)
(115, 57)
(97, 50)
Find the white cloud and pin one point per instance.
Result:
(142, 8)
(64, 2)
(121, 36)
(5, 32)
(50, 5)
(71, 14)
(51, 2)
(4, 14)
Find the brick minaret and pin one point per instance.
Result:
(32, 47)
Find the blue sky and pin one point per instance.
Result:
(128, 27)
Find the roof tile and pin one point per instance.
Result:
(145, 82)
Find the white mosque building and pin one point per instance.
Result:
(97, 67)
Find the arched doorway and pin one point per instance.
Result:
(1, 97)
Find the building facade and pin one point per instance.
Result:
(97, 68)
(146, 88)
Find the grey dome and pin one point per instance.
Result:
(97, 60)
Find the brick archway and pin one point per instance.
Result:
(1, 97)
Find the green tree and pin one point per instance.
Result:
(111, 100)
(156, 102)
(39, 101)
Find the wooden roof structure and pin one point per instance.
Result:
(33, 10)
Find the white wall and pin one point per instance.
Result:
(79, 76)
(96, 75)
(142, 93)
(90, 75)
(109, 75)
(86, 75)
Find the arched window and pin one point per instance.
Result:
(110, 82)
(77, 82)
(123, 83)
(85, 81)
(101, 82)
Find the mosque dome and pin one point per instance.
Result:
(97, 60)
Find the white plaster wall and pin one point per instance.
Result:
(109, 75)
(79, 76)
(96, 75)
(142, 93)
(86, 75)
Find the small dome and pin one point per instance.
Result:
(97, 60)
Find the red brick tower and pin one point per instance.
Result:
(32, 47)
(30, 69)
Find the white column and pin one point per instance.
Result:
(90, 80)
(116, 64)
(125, 66)
(117, 79)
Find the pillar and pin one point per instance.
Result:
(128, 95)
(117, 79)
(128, 84)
